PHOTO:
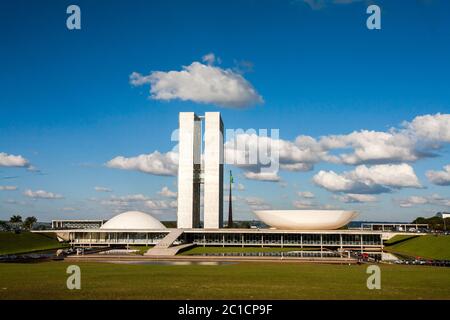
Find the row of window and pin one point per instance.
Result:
(306, 239)
(233, 238)
(116, 237)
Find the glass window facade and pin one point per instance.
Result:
(331, 240)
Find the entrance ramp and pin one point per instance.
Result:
(165, 247)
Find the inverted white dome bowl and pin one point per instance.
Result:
(133, 220)
(306, 219)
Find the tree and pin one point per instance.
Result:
(4, 226)
(15, 219)
(29, 221)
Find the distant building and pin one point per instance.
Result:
(443, 215)
(77, 224)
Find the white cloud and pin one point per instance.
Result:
(202, 84)
(238, 187)
(395, 175)
(138, 202)
(253, 152)
(357, 198)
(303, 204)
(431, 127)
(373, 147)
(102, 189)
(161, 204)
(210, 59)
(10, 160)
(131, 198)
(262, 176)
(41, 194)
(163, 164)
(413, 201)
(256, 203)
(440, 178)
(166, 192)
(414, 140)
(8, 188)
(374, 179)
(306, 194)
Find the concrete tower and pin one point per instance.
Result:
(188, 215)
(213, 171)
(190, 171)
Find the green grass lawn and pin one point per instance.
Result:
(232, 281)
(429, 246)
(11, 243)
(398, 238)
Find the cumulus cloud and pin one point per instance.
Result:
(201, 83)
(369, 180)
(10, 160)
(256, 203)
(261, 156)
(238, 187)
(158, 205)
(357, 198)
(102, 189)
(8, 188)
(408, 143)
(210, 59)
(41, 194)
(138, 202)
(414, 140)
(166, 192)
(131, 198)
(440, 178)
(431, 127)
(162, 164)
(373, 147)
(306, 194)
(413, 201)
(262, 176)
(303, 204)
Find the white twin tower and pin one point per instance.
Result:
(194, 171)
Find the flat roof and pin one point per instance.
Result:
(224, 230)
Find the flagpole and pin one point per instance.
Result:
(230, 205)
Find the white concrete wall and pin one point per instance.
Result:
(213, 171)
(188, 215)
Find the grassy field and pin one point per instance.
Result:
(429, 246)
(231, 281)
(11, 243)
(398, 238)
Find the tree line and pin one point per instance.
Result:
(17, 221)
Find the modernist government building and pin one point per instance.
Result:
(317, 230)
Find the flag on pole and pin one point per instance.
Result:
(231, 177)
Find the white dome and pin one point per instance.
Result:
(133, 220)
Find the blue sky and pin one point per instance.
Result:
(67, 105)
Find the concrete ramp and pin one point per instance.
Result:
(171, 251)
(165, 246)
